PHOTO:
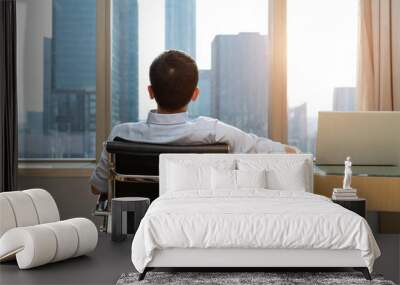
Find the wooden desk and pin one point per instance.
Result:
(382, 193)
(381, 188)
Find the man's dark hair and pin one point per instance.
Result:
(173, 77)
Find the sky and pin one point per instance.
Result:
(322, 50)
(322, 41)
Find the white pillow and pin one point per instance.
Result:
(251, 178)
(231, 180)
(184, 175)
(223, 179)
(293, 180)
(283, 173)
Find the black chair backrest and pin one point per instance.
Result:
(137, 158)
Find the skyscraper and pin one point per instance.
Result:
(125, 91)
(202, 106)
(298, 126)
(69, 87)
(34, 76)
(74, 44)
(180, 25)
(239, 81)
(344, 99)
(69, 94)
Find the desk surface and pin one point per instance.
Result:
(377, 171)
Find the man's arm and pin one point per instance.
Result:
(291, 149)
(242, 142)
(98, 180)
(94, 190)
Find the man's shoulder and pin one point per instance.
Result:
(131, 124)
(206, 119)
(125, 128)
(216, 123)
(205, 122)
(128, 125)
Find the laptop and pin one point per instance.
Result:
(369, 138)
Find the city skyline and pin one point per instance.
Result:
(66, 127)
(64, 81)
(242, 16)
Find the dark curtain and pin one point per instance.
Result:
(8, 97)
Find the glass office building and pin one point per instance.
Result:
(70, 112)
(180, 25)
(124, 61)
(239, 82)
(202, 106)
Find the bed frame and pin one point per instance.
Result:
(250, 259)
(233, 259)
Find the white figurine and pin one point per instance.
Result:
(347, 173)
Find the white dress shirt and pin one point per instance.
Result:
(179, 129)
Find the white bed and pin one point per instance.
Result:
(202, 220)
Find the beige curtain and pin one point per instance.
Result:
(277, 114)
(378, 82)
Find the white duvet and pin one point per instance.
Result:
(250, 219)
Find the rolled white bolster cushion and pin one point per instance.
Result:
(67, 240)
(33, 246)
(23, 208)
(41, 244)
(26, 208)
(46, 207)
(87, 235)
(7, 218)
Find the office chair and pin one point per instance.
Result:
(133, 167)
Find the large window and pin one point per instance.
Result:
(322, 55)
(226, 37)
(56, 66)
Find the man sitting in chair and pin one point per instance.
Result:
(174, 77)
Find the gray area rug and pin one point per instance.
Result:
(228, 278)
